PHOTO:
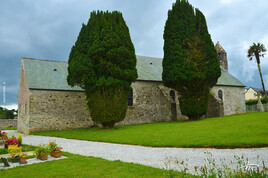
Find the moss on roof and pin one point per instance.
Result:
(52, 75)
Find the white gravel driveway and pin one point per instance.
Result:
(150, 156)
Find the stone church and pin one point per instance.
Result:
(47, 102)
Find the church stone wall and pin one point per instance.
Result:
(23, 103)
(151, 103)
(233, 99)
(61, 110)
(58, 110)
(43, 110)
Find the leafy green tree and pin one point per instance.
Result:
(103, 62)
(6, 114)
(258, 50)
(190, 63)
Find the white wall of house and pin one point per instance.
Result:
(251, 94)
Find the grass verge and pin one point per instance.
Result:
(243, 130)
(81, 166)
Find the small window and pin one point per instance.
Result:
(25, 109)
(220, 94)
(220, 55)
(130, 98)
(255, 94)
(172, 94)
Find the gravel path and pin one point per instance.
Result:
(154, 157)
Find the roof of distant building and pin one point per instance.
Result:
(52, 75)
(259, 90)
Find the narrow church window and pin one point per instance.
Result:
(172, 94)
(25, 109)
(220, 94)
(130, 98)
(220, 55)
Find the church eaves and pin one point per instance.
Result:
(52, 75)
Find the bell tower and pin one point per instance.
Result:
(222, 55)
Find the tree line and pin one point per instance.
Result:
(7, 114)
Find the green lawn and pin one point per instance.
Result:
(82, 166)
(244, 130)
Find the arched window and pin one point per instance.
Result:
(220, 94)
(130, 98)
(172, 94)
(220, 55)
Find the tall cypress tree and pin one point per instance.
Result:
(103, 62)
(190, 63)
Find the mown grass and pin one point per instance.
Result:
(243, 130)
(9, 129)
(82, 166)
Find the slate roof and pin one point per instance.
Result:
(51, 75)
(259, 90)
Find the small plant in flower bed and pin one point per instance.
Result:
(55, 149)
(15, 154)
(53, 146)
(23, 158)
(42, 151)
(19, 139)
(3, 135)
(11, 142)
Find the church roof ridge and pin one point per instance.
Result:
(37, 59)
(148, 57)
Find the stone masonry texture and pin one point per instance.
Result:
(6, 123)
(44, 110)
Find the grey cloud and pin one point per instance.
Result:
(48, 29)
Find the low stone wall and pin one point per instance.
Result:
(6, 123)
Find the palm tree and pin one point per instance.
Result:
(258, 50)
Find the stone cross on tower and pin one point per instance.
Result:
(222, 55)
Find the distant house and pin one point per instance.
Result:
(47, 102)
(251, 93)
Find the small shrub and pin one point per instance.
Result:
(14, 152)
(53, 146)
(19, 139)
(42, 149)
(23, 155)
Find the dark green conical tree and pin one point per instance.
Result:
(190, 63)
(103, 62)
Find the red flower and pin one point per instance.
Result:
(12, 142)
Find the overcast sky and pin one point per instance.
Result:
(47, 29)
